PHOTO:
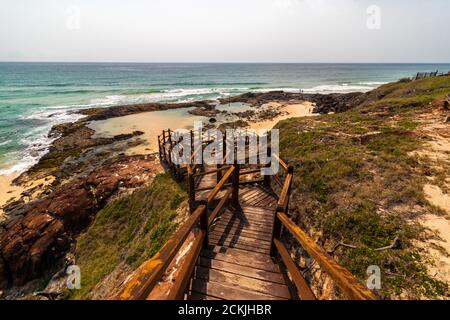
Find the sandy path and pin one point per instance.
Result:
(437, 153)
(295, 110)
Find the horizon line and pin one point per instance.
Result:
(212, 62)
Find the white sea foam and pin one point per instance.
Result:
(36, 142)
(335, 88)
(5, 142)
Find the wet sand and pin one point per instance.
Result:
(152, 123)
(296, 110)
(9, 192)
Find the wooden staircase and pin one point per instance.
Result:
(238, 251)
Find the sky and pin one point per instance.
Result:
(225, 30)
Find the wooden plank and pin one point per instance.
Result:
(250, 228)
(263, 257)
(143, 281)
(221, 291)
(236, 229)
(342, 277)
(220, 207)
(182, 280)
(242, 282)
(242, 259)
(284, 194)
(220, 184)
(239, 245)
(226, 219)
(237, 238)
(200, 296)
(303, 289)
(242, 270)
(255, 209)
(250, 218)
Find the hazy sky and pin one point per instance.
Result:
(225, 30)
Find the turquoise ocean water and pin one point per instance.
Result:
(36, 96)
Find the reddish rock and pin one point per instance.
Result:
(34, 243)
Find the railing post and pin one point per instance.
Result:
(164, 145)
(266, 177)
(191, 190)
(276, 234)
(192, 144)
(235, 185)
(204, 223)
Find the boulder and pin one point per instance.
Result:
(36, 240)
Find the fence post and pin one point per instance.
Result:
(235, 185)
(164, 145)
(204, 223)
(159, 147)
(276, 234)
(219, 166)
(266, 177)
(191, 189)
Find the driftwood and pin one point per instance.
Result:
(48, 295)
(396, 244)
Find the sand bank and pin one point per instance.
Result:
(10, 192)
(304, 109)
(152, 123)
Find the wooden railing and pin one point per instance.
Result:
(349, 285)
(151, 272)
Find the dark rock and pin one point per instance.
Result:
(41, 232)
(325, 103)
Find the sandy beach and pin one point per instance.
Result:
(152, 123)
(10, 192)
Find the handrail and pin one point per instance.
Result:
(178, 289)
(281, 162)
(140, 286)
(217, 210)
(203, 173)
(284, 194)
(341, 276)
(220, 184)
(151, 271)
(304, 291)
(147, 276)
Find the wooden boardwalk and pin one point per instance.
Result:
(237, 263)
(238, 217)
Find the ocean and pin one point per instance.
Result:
(36, 96)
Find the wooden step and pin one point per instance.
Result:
(230, 223)
(242, 282)
(242, 270)
(221, 291)
(242, 254)
(243, 258)
(226, 239)
(236, 229)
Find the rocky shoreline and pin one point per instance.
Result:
(88, 171)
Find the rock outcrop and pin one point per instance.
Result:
(325, 103)
(41, 232)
